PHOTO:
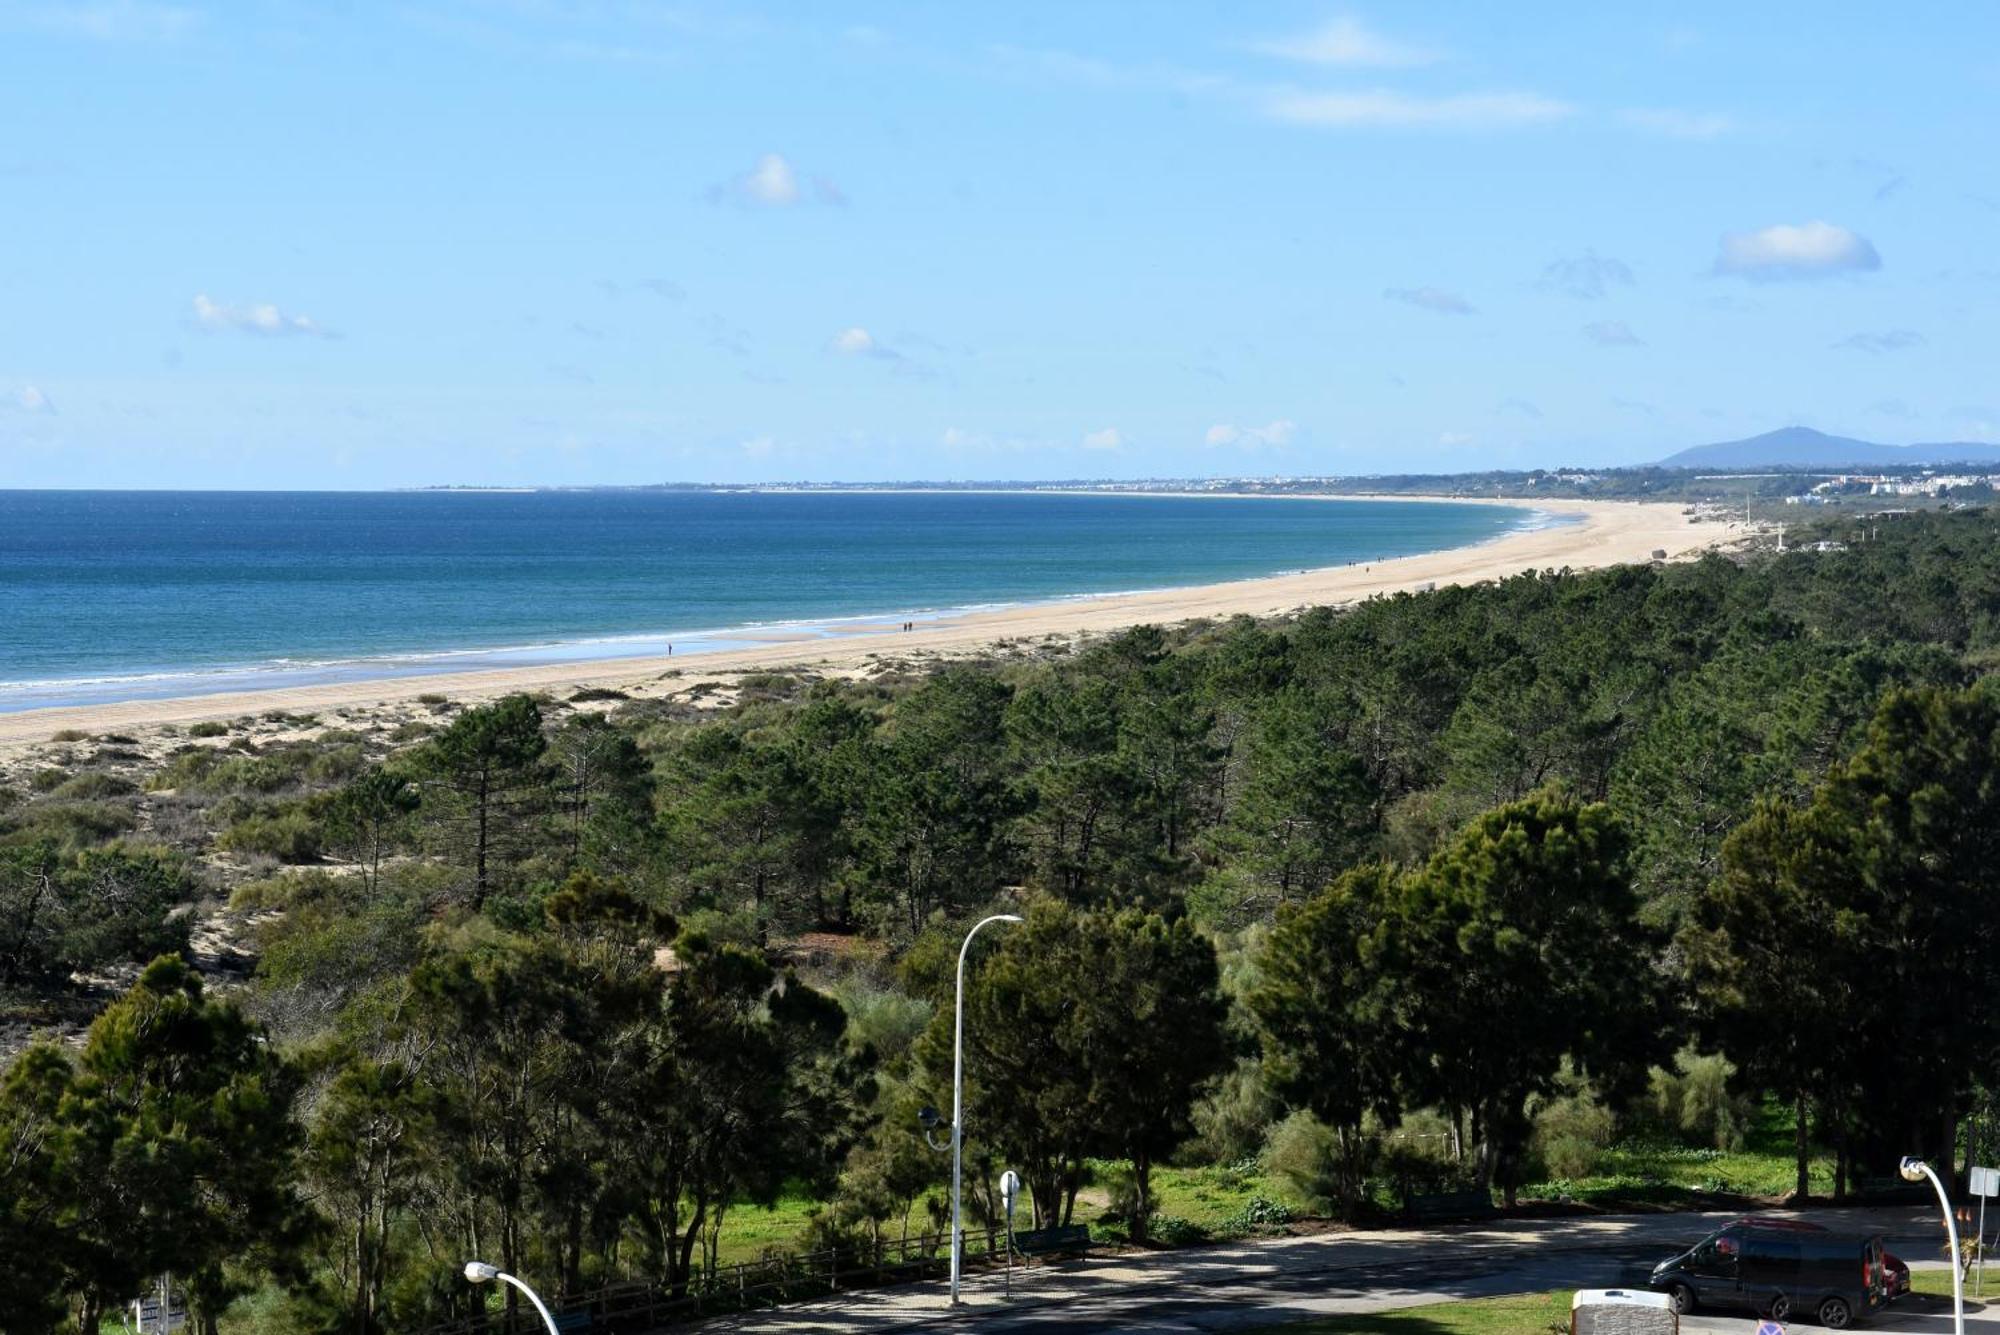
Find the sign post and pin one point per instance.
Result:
(1010, 1189)
(1984, 1182)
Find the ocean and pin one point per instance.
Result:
(130, 595)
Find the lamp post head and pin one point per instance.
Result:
(1010, 917)
(1912, 1168)
(931, 1118)
(478, 1272)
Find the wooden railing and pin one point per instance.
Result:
(625, 1309)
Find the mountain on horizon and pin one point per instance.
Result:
(1803, 447)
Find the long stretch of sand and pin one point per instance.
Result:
(1610, 533)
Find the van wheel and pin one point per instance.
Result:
(1834, 1314)
(1781, 1308)
(1682, 1298)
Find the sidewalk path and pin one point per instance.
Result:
(1267, 1281)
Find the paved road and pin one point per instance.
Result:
(1266, 1282)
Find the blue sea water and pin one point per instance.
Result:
(127, 595)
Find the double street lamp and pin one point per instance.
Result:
(929, 1116)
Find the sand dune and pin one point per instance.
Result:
(1610, 533)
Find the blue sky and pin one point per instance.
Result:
(272, 243)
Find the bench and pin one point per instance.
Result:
(1067, 1239)
(576, 1321)
(1474, 1204)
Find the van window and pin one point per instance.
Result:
(1770, 1253)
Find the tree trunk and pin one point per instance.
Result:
(1142, 1196)
(1804, 1190)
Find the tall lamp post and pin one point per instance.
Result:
(929, 1116)
(1916, 1170)
(478, 1272)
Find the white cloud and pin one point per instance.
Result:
(1276, 435)
(1384, 109)
(1430, 299)
(1107, 439)
(1344, 41)
(1889, 340)
(856, 342)
(258, 318)
(1586, 277)
(1612, 334)
(1676, 124)
(758, 447)
(32, 400)
(1454, 438)
(1808, 250)
(774, 183)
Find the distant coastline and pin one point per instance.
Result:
(1601, 533)
(538, 579)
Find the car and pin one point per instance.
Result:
(1896, 1272)
(1781, 1271)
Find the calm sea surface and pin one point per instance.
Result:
(123, 595)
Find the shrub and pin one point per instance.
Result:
(1232, 1120)
(589, 693)
(288, 837)
(75, 824)
(1303, 1153)
(1170, 1230)
(1259, 1212)
(95, 784)
(69, 735)
(48, 780)
(1695, 1100)
(208, 728)
(1572, 1131)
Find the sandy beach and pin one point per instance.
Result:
(1608, 533)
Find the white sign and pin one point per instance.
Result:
(1010, 1189)
(1986, 1182)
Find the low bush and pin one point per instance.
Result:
(95, 784)
(289, 837)
(208, 728)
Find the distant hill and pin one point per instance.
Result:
(1803, 447)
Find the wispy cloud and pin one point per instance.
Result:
(32, 399)
(775, 183)
(1521, 406)
(855, 341)
(1585, 277)
(108, 20)
(261, 318)
(1612, 334)
(1430, 299)
(1888, 340)
(1674, 123)
(1785, 251)
(1387, 109)
(1346, 42)
(1107, 439)
(1274, 435)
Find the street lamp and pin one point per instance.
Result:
(1916, 1170)
(478, 1272)
(930, 1117)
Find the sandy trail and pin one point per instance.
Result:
(1609, 533)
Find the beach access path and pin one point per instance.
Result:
(1258, 1283)
(1605, 533)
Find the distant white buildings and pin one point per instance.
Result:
(1872, 484)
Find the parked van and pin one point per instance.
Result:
(1834, 1279)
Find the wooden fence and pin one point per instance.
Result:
(624, 1309)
